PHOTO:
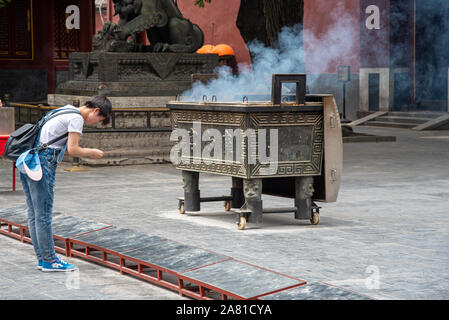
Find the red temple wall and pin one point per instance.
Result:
(332, 25)
(323, 21)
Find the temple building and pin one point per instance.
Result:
(35, 44)
(388, 54)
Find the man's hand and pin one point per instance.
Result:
(1, 105)
(96, 154)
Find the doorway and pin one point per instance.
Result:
(431, 54)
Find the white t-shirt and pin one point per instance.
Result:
(59, 125)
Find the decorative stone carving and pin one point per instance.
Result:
(134, 74)
(166, 28)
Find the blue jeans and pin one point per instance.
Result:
(39, 198)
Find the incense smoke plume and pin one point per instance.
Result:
(287, 56)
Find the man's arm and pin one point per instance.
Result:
(75, 150)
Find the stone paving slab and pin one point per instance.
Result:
(242, 279)
(175, 256)
(18, 214)
(156, 250)
(66, 226)
(315, 291)
(117, 239)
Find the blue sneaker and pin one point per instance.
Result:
(39, 264)
(57, 265)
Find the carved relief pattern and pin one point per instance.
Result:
(135, 72)
(140, 67)
(228, 118)
(219, 168)
(219, 120)
(294, 168)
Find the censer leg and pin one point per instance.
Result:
(303, 198)
(256, 208)
(238, 198)
(252, 189)
(190, 181)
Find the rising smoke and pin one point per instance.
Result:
(287, 56)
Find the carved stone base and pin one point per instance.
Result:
(134, 74)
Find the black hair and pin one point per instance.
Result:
(103, 104)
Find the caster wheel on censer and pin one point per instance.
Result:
(181, 209)
(242, 224)
(315, 218)
(227, 206)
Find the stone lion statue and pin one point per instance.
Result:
(166, 28)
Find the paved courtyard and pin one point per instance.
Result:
(386, 237)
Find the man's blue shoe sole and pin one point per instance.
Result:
(58, 270)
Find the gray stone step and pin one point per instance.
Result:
(437, 123)
(391, 124)
(402, 119)
(417, 114)
(406, 120)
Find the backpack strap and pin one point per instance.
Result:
(45, 145)
(58, 112)
(48, 117)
